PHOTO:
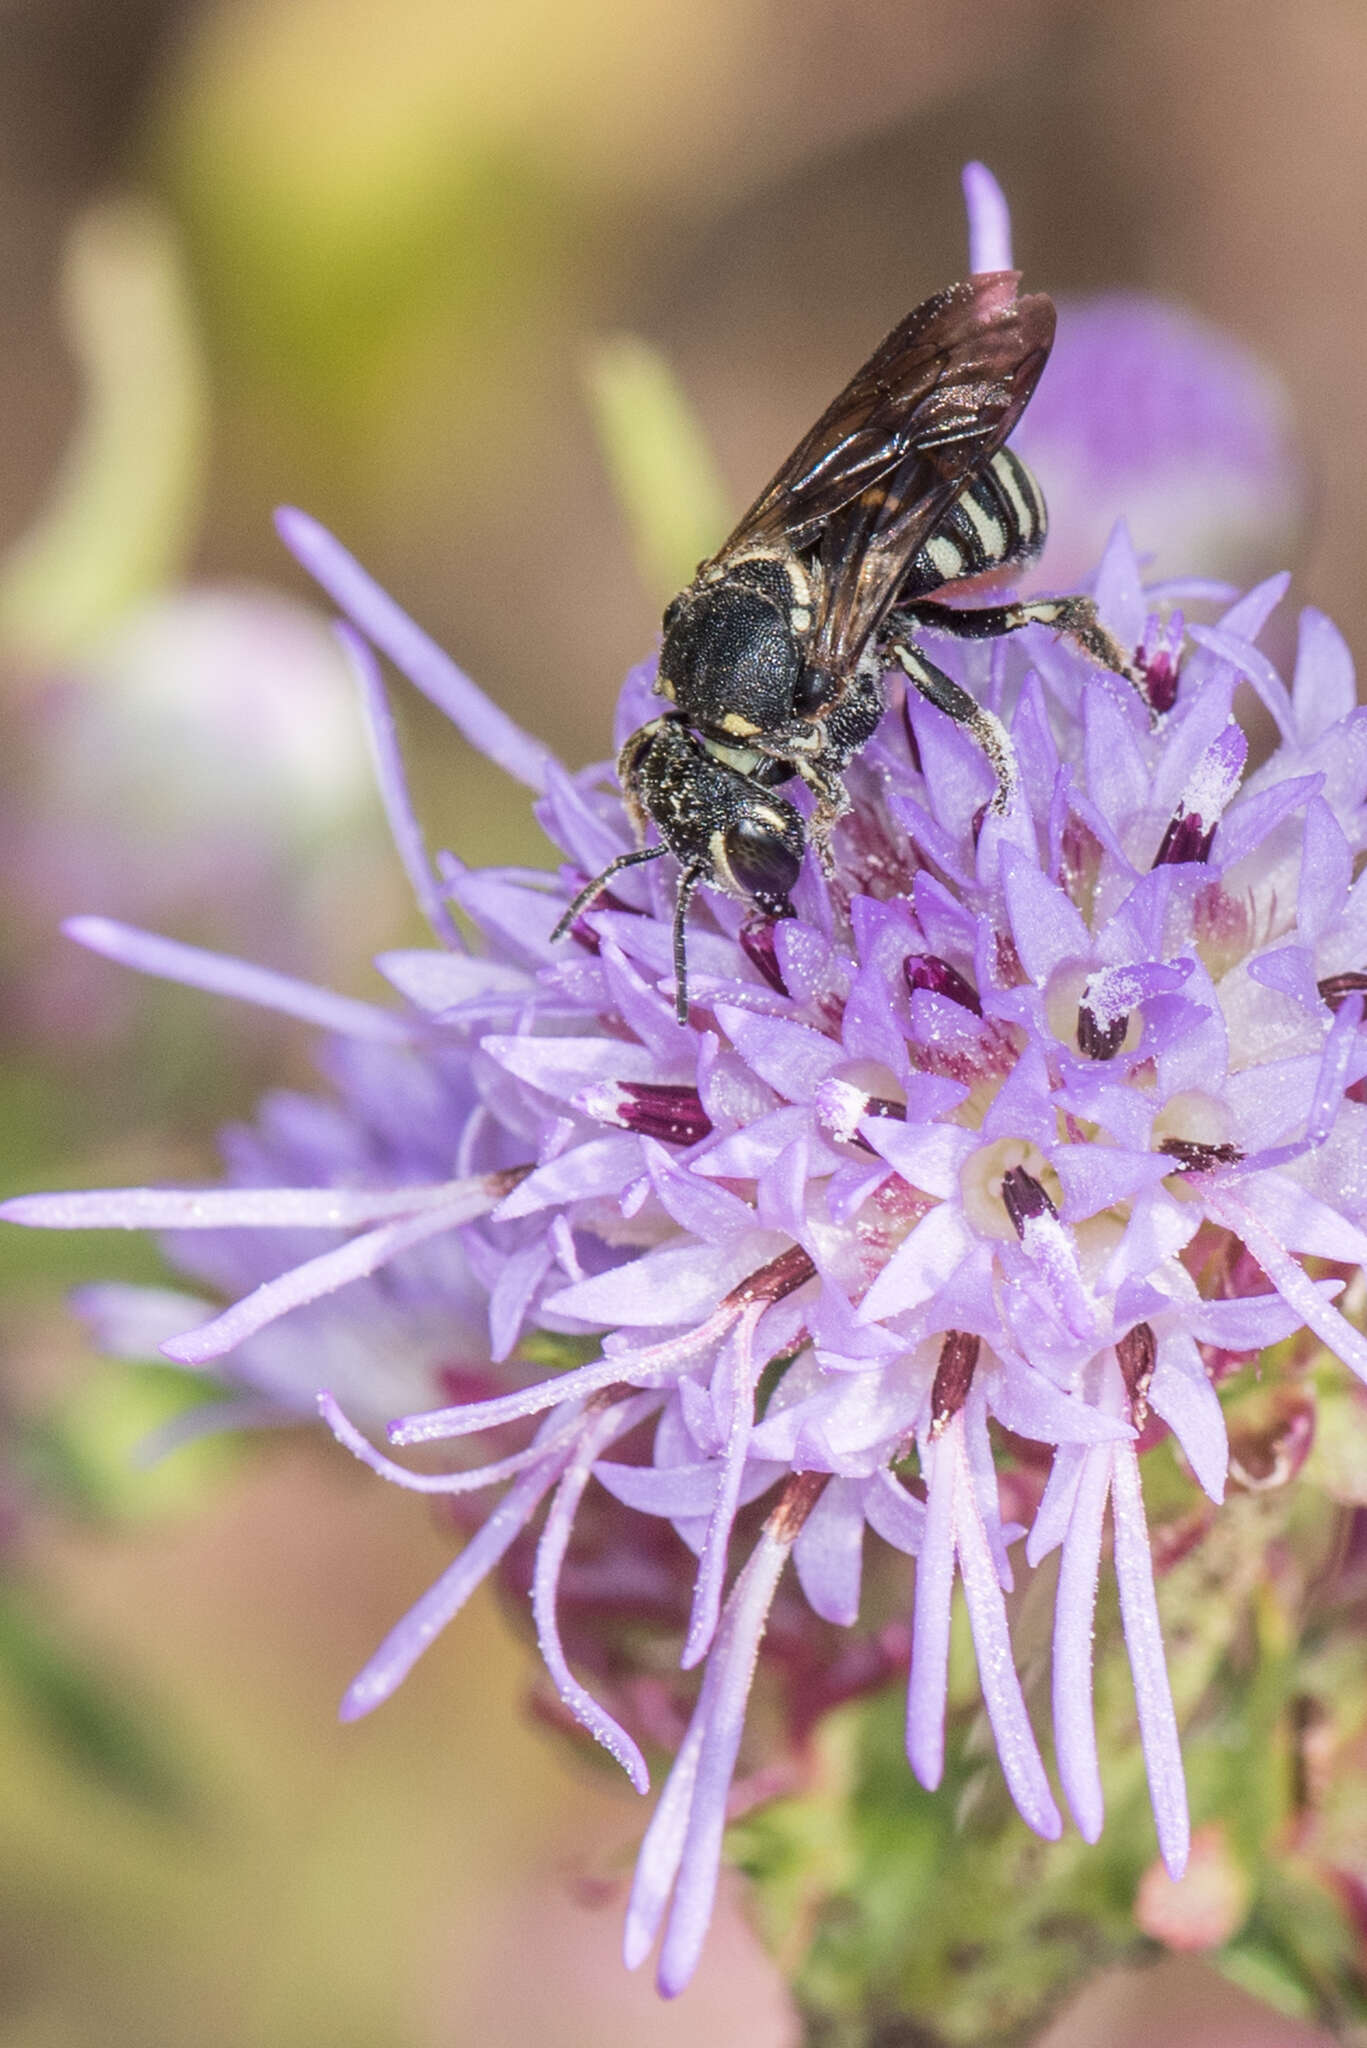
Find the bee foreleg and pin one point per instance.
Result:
(1076, 617)
(948, 696)
(804, 747)
(688, 882)
(600, 882)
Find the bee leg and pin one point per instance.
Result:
(948, 696)
(832, 802)
(820, 749)
(600, 882)
(804, 749)
(688, 882)
(1076, 617)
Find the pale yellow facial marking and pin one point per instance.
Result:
(743, 759)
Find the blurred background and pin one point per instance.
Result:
(364, 259)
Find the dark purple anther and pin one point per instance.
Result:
(774, 1282)
(656, 1109)
(1024, 1198)
(1193, 1157)
(1160, 681)
(953, 1378)
(1186, 839)
(883, 1105)
(1335, 989)
(1097, 1040)
(929, 971)
(801, 1492)
(1159, 661)
(1137, 1354)
(757, 944)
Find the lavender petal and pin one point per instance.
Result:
(229, 1208)
(1074, 1611)
(316, 1277)
(734, 1407)
(411, 650)
(404, 828)
(1144, 1643)
(593, 1439)
(219, 975)
(989, 220)
(473, 1480)
(721, 1711)
(928, 1684)
(1182, 1394)
(1022, 1766)
(828, 1553)
(443, 1600)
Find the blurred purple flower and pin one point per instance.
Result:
(919, 1180)
(191, 767)
(1149, 413)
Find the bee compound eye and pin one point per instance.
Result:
(763, 864)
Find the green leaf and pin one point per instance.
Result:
(90, 1452)
(78, 1711)
(122, 515)
(661, 467)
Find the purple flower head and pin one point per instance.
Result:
(929, 1219)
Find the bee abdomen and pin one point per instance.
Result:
(998, 519)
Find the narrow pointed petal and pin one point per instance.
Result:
(1022, 1765)
(721, 1708)
(593, 1440)
(657, 1864)
(404, 828)
(225, 1208)
(218, 974)
(1144, 1643)
(411, 650)
(473, 1480)
(1074, 1614)
(929, 1680)
(734, 1399)
(1292, 1282)
(352, 1261)
(443, 1600)
(989, 220)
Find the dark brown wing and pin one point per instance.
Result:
(888, 457)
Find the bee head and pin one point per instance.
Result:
(760, 855)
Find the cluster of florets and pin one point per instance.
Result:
(955, 1193)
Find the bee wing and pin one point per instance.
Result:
(888, 457)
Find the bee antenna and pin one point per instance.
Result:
(597, 886)
(688, 882)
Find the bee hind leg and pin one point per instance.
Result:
(1076, 618)
(950, 697)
